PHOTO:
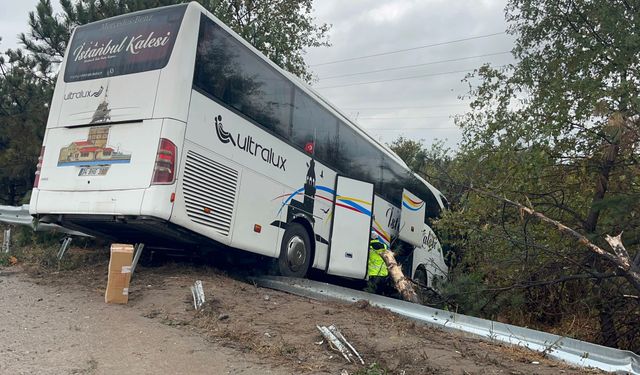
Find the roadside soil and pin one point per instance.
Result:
(58, 323)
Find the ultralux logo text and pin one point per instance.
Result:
(249, 145)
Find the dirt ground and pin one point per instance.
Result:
(58, 323)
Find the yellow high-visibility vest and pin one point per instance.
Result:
(376, 266)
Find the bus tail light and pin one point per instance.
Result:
(165, 166)
(36, 180)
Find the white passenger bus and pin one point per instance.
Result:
(168, 128)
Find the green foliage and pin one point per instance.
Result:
(435, 163)
(412, 152)
(468, 293)
(5, 259)
(25, 93)
(282, 30)
(559, 131)
(372, 369)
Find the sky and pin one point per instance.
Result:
(422, 105)
(421, 87)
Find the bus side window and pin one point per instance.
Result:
(313, 123)
(233, 74)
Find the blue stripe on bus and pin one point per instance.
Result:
(95, 162)
(326, 189)
(356, 206)
(404, 204)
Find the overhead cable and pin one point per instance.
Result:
(416, 65)
(401, 129)
(401, 79)
(409, 49)
(407, 118)
(407, 107)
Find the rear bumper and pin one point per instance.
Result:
(136, 215)
(153, 201)
(111, 202)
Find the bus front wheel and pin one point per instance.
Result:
(295, 252)
(421, 277)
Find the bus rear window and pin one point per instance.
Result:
(127, 44)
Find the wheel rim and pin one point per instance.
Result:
(296, 252)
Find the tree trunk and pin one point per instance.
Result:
(399, 280)
(608, 331)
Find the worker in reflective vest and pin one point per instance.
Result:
(376, 266)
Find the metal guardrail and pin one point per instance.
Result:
(566, 349)
(19, 215)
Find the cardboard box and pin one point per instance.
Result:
(119, 273)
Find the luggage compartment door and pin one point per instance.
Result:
(350, 228)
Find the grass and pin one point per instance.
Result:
(40, 249)
(372, 369)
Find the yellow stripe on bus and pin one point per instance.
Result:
(354, 200)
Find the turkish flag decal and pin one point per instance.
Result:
(309, 147)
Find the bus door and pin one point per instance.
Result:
(350, 228)
(411, 218)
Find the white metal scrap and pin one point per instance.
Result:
(197, 291)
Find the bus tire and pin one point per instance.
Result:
(420, 276)
(295, 252)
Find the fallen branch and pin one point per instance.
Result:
(620, 259)
(399, 280)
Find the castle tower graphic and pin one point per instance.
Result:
(103, 112)
(98, 136)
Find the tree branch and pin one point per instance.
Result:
(621, 258)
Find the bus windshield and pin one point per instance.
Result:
(123, 45)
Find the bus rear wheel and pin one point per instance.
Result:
(295, 252)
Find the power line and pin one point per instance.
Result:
(405, 118)
(417, 65)
(410, 49)
(409, 107)
(401, 79)
(401, 129)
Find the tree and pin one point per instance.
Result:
(558, 130)
(282, 30)
(24, 99)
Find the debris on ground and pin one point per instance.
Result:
(197, 291)
(339, 343)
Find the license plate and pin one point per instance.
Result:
(94, 171)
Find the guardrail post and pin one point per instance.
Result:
(138, 251)
(63, 247)
(6, 240)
